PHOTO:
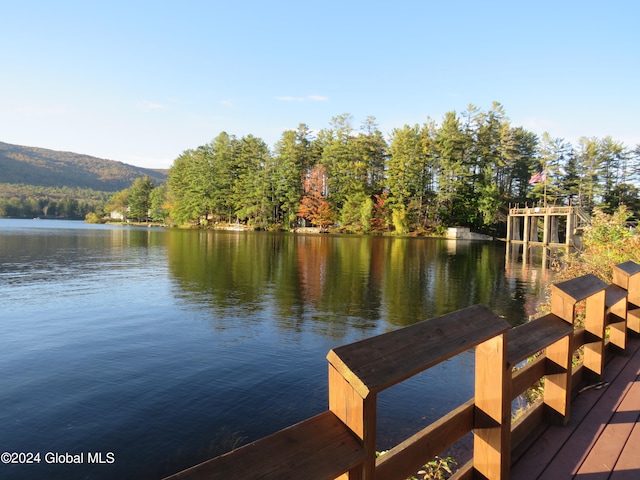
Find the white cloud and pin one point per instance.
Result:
(290, 99)
(318, 98)
(310, 98)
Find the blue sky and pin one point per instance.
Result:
(140, 82)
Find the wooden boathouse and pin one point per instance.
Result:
(600, 319)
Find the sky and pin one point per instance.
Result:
(142, 81)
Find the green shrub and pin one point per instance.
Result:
(606, 242)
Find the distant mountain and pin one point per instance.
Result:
(51, 168)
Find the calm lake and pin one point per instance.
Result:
(158, 349)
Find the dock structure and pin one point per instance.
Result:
(547, 226)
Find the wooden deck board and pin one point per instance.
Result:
(628, 464)
(603, 457)
(628, 415)
(602, 434)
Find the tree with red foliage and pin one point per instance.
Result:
(314, 205)
(380, 220)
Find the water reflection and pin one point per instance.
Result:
(365, 283)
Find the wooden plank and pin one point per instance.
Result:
(535, 336)
(376, 363)
(577, 339)
(526, 429)
(525, 377)
(629, 409)
(628, 465)
(603, 456)
(614, 437)
(321, 447)
(634, 290)
(579, 288)
(633, 320)
(465, 472)
(407, 457)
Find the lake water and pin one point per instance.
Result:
(142, 351)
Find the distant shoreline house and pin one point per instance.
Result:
(117, 215)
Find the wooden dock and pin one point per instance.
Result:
(602, 438)
(546, 225)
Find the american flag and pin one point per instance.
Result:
(537, 178)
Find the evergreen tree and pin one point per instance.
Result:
(588, 161)
(224, 172)
(159, 207)
(570, 181)
(345, 172)
(613, 165)
(554, 153)
(140, 198)
(371, 149)
(403, 172)
(453, 175)
(252, 191)
(190, 187)
(521, 146)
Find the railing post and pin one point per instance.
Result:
(594, 324)
(557, 385)
(492, 430)
(357, 413)
(627, 275)
(564, 297)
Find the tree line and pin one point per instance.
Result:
(464, 171)
(30, 201)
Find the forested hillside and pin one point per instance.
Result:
(40, 182)
(50, 168)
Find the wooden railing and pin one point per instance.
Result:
(341, 442)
